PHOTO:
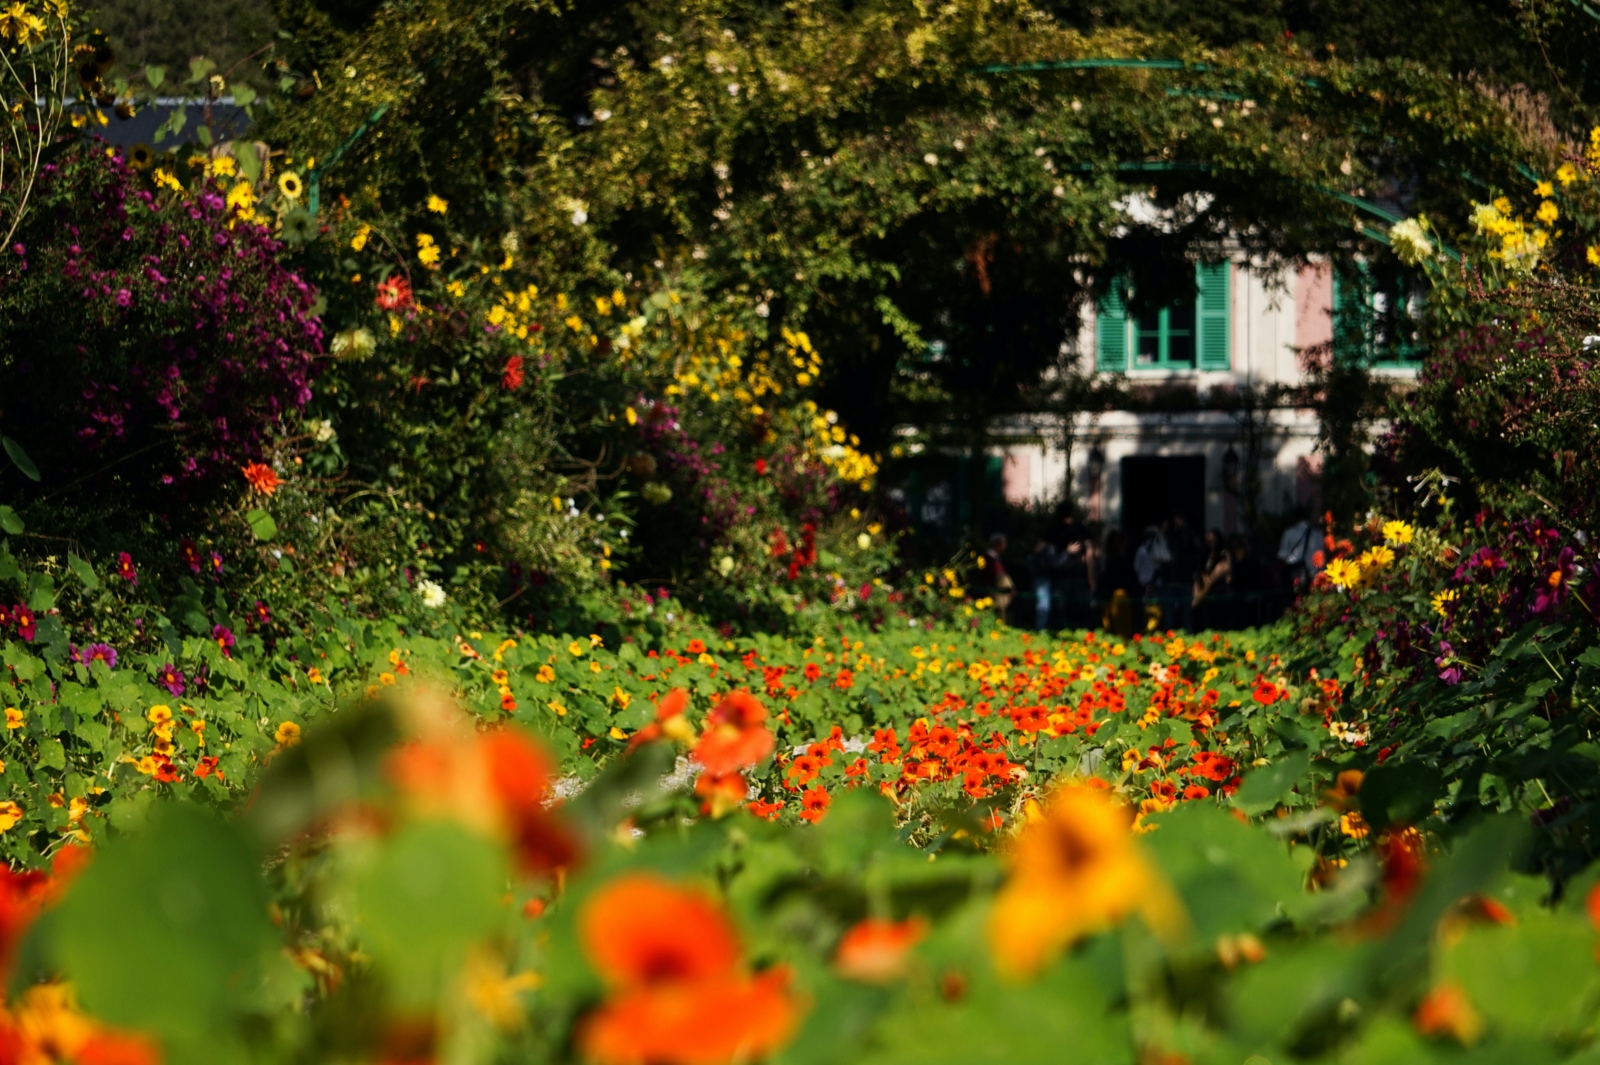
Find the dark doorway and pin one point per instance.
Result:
(1155, 487)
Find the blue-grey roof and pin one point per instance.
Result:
(228, 122)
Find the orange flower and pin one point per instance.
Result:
(814, 804)
(1446, 1012)
(1075, 870)
(875, 951)
(680, 994)
(669, 721)
(735, 737)
(261, 478)
(495, 782)
(721, 792)
(767, 811)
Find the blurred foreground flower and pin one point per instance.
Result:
(1075, 870)
(679, 993)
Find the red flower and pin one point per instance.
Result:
(804, 769)
(205, 767)
(125, 568)
(697, 647)
(1266, 693)
(845, 680)
(735, 734)
(761, 467)
(814, 804)
(767, 811)
(1196, 791)
(721, 792)
(1214, 766)
(513, 378)
(394, 293)
(813, 671)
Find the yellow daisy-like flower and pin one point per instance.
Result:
(359, 241)
(1376, 557)
(158, 715)
(1398, 533)
(290, 185)
(1442, 601)
(427, 250)
(1543, 188)
(1343, 573)
(438, 206)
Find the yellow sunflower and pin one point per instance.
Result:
(290, 185)
(140, 156)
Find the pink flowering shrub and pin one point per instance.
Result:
(148, 338)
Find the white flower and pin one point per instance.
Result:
(931, 159)
(864, 541)
(433, 596)
(725, 565)
(324, 431)
(1410, 242)
(579, 216)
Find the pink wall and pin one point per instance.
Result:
(1016, 475)
(1313, 307)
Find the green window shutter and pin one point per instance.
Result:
(1351, 316)
(1211, 321)
(1111, 333)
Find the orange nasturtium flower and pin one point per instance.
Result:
(877, 950)
(735, 735)
(261, 478)
(1075, 870)
(679, 993)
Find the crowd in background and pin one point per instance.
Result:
(1171, 577)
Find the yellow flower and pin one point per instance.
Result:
(621, 698)
(1343, 573)
(1398, 533)
(1544, 188)
(1566, 173)
(427, 250)
(1548, 212)
(1075, 870)
(576, 648)
(557, 708)
(1593, 256)
(595, 641)
(385, 678)
(10, 814)
(13, 717)
(290, 185)
(241, 196)
(594, 667)
(288, 734)
(158, 715)
(545, 675)
(438, 206)
(359, 241)
(1376, 557)
(314, 675)
(1442, 601)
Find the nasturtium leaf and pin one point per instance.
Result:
(166, 930)
(83, 571)
(20, 458)
(1232, 877)
(1263, 787)
(10, 523)
(431, 892)
(262, 527)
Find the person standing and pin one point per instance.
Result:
(992, 576)
(1044, 563)
(1301, 550)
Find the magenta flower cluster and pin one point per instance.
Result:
(153, 340)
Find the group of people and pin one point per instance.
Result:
(1173, 576)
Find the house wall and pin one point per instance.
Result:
(1274, 318)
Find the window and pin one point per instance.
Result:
(1186, 335)
(1375, 317)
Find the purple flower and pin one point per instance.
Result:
(124, 297)
(224, 637)
(216, 566)
(98, 652)
(172, 679)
